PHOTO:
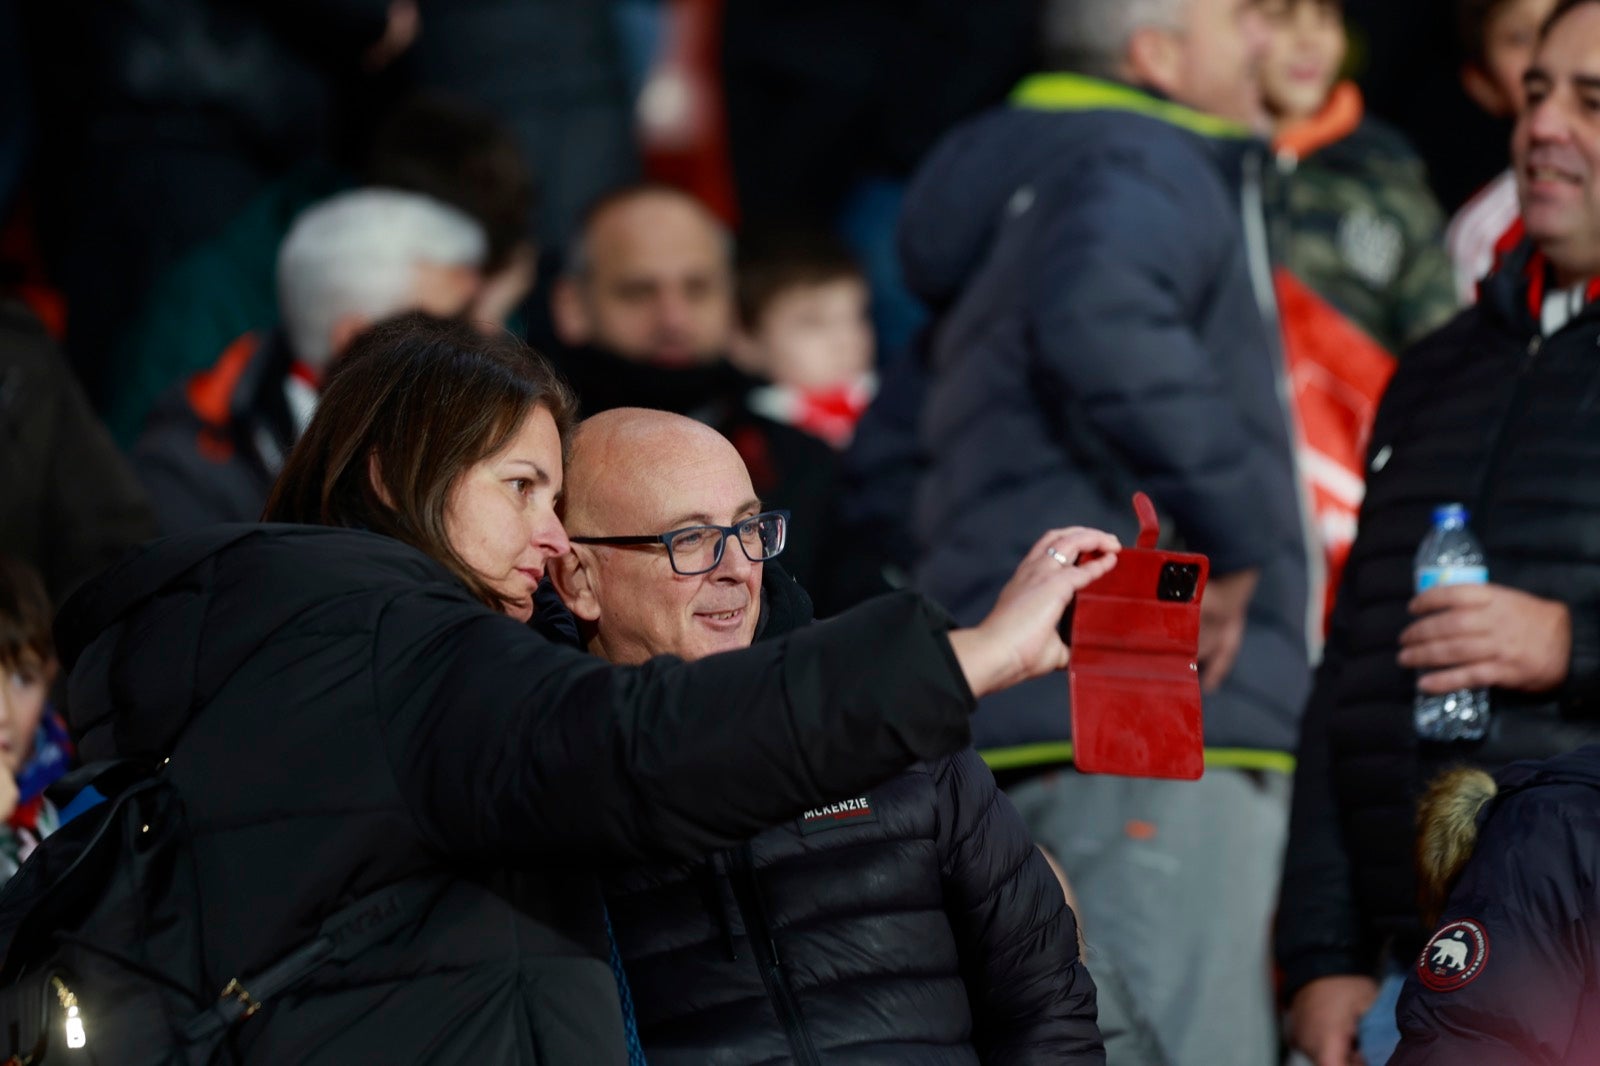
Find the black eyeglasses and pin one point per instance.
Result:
(698, 549)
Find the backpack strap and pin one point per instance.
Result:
(344, 935)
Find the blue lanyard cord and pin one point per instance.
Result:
(630, 1024)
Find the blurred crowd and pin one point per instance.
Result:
(945, 275)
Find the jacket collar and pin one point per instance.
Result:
(785, 607)
(1516, 289)
(1338, 119)
(1079, 92)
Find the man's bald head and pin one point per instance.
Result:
(621, 459)
(650, 279)
(635, 472)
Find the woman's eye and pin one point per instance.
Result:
(521, 485)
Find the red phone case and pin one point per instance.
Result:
(1134, 675)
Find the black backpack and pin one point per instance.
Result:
(103, 945)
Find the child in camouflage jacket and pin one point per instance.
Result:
(1362, 229)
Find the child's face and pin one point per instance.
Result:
(816, 336)
(1509, 39)
(1306, 44)
(23, 688)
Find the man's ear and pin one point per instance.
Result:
(1485, 91)
(572, 577)
(568, 314)
(1155, 60)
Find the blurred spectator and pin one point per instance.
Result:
(69, 504)
(162, 119)
(1520, 927)
(1100, 334)
(645, 308)
(34, 748)
(1497, 38)
(1365, 268)
(226, 286)
(973, 951)
(1495, 410)
(1365, 232)
(553, 72)
(804, 326)
(214, 445)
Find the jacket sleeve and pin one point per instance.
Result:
(1124, 267)
(1033, 1000)
(1319, 929)
(511, 748)
(1530, 889)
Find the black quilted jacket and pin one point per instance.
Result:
(1489, 413)
(911, 923)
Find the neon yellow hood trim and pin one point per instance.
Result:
(1076, 92)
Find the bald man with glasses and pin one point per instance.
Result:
(913, 923)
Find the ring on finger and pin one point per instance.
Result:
(1058, 557)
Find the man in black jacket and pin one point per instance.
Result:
(1498, 410)
(913, 923)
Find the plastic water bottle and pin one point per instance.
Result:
(1451, 555)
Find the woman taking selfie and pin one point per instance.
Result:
(355, 699)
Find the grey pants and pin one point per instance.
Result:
(1176, 881)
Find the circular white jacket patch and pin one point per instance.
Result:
(1455, 957)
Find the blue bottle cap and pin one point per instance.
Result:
(1450, 513)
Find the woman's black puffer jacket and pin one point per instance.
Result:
(338, 715)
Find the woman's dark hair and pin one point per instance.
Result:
(25, 617)
(414, 403)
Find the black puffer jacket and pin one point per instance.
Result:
(341, 715)
(1486, 412)
(911, 923)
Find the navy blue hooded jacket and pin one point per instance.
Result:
(1099, 334)
(1512, 976)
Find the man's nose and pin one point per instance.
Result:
(735, 564)
(674, 312)
(1546, 120)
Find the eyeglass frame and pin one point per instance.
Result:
(722, 543)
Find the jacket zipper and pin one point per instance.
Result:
(1258, 257)
(747, 895)
(1491, 469)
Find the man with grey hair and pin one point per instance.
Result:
(1087, 252)
(213, 446)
